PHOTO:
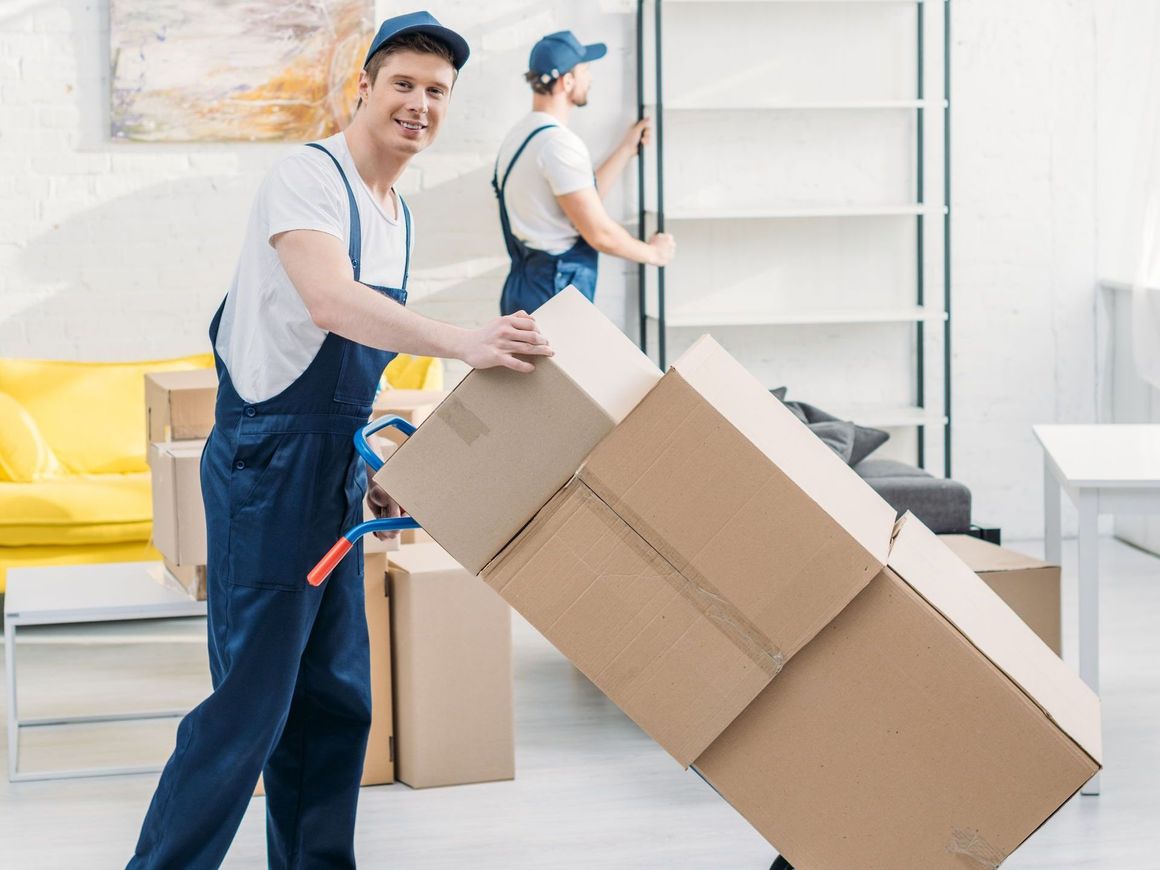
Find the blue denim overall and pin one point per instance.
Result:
(537, 276)
(290, 662)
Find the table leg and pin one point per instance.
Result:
(10, 690)
(1089, 601)
(1052, 547)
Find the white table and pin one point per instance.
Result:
(69, 594)
(1104, 469)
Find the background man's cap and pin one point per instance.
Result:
(420, 22)
(557, 53)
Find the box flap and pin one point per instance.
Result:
(938, 575)
(983, 557)
(595, 354)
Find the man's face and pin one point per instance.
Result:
(408, 100)
(581, 82)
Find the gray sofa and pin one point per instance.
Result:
(943, 505)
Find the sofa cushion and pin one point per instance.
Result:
(24, 454)
(92, 415)
(944, 506)
(864, 440)
(75, 510)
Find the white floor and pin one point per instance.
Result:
(591, 790)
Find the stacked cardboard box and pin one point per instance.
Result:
(842, 679)
(179, 413)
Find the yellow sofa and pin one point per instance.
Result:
(74, 485)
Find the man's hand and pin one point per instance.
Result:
(503, 341)
(638, 135)
(664, 249)
(381, 505)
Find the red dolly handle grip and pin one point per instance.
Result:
(329, 562)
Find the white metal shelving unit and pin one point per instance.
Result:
(658, 318)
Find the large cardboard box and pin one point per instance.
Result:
(379, 764)
(1029, 586)
(503, 443)
(178, 511)
(925, 727)
(453, 673)
(179, 405)
(680, 661)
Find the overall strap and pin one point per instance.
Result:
(499, 186)
(407, 251)
(355, 248)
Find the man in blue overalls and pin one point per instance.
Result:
(314, 314)
(550, 200)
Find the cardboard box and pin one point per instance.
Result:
(178, 511)
(1029, 586)
(179, 405)
(453, 673)
(743, 500)
(191, 578)
(676, 659)
(925, 727)
(503, 443)
(379, 765)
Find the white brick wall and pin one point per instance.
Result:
(120, 250)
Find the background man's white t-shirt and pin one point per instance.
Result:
(555, 163)
(266, 337)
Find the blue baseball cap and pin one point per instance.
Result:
(557, 53)
(420, 22)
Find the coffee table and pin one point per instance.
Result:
(70, 594)
(1104, 469)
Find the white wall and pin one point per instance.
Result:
(118, 250)
(112, 250)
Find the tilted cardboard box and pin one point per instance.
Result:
(178, 510)
(179, 405)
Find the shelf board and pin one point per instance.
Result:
(693, 105)
(888, 416)
(836, 211)
(912, 314)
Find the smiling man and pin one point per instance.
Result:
(314, 314)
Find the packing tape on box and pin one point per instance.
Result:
(969, 844)
(462, 420)
(758, 648)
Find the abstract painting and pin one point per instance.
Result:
(230, 70)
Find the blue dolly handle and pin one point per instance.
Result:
(330, 561)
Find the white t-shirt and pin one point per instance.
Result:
(555, 163)
(266, 337)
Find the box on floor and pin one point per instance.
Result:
(1030, 586)
(453, 672)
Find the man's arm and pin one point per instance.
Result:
(612, 168)
(319, 267)
(586, 212)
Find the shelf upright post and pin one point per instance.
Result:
(642, 290)
(660, 127)
(920, 228)
(947, 236)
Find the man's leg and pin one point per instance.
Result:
(312, 776)
(257, 637)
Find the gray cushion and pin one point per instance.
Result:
(943, 505)
(865, 439)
